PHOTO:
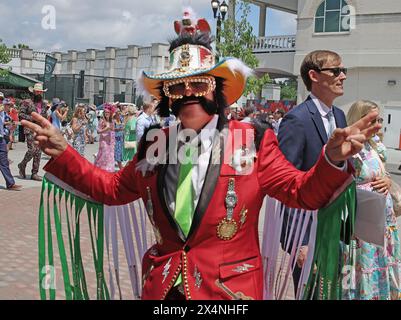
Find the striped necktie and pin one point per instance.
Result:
(332, 123)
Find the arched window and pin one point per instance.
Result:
(332, 16)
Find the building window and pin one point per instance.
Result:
(332, 16)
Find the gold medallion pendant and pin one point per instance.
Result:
(227, 229)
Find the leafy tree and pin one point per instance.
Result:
(20, 46)
(289, 90)
(238, 40)
(4, 58)
(4, 55)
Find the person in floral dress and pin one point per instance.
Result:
(375, 271)
(118, 121)
(105, 155)
(79, 127)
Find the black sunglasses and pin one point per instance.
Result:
(336, 71)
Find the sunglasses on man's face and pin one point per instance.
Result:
(335, 71)
(199, 87)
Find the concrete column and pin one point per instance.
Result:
(57, 68)
(132, 62)
(129, 90)
(26, 57)
(72, 60)
(158, 54)
(110, 59)
(89, 83)
(90, 61)
(262, 20)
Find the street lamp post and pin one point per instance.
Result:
(219, 13)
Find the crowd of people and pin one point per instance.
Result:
(117, 127)
(248, 113)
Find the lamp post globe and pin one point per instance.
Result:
(223, 9)
(215, 7)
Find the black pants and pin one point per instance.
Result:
(21, 134)
(4, 164)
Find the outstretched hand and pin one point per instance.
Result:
(346, 142)
(47, 137)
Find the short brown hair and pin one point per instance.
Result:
(315, 61)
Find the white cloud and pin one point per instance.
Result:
(127, 15)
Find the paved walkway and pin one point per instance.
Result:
(18, 231)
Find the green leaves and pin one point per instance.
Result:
(289, 90)
(4, 58)
(237, 41)
(4, 55)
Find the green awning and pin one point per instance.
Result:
(15, 80)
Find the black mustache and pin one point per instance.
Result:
(180, 102)
(208, 105)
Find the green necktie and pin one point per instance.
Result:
(184, 199)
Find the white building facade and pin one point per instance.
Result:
(367, 35)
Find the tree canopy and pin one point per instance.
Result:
(237, 41)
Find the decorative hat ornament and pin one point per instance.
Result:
(190, 24)
(192, 59)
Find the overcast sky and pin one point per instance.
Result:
(82, 24)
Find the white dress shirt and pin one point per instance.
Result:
(323, 110)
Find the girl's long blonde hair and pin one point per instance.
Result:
(358, 110)
(78, 109)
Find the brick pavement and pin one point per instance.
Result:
(19, 249)
(18, 244)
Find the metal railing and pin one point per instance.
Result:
(14, 53)
(36, 55)
(39, 56)
(274, 44)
